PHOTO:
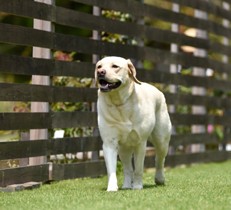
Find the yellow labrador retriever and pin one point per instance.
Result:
(130, 112)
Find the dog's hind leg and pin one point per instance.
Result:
(125, 154)
(161, 152)
(160, 138)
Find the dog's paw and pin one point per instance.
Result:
(127, 184)
(112, 188)
(137, 182)
(137, 187)
(159, 178)
(126, 187)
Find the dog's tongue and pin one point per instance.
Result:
(104, 87)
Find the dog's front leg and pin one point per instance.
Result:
(110, 155)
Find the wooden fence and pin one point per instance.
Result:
(196, 80)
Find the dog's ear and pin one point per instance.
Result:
(132, 72)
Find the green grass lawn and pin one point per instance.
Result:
(205, 186)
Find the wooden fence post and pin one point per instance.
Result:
(225, 59)
(95, 58)
(174, 69)
(225, 23)
(45, 53)
(197, 71)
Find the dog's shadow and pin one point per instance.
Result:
(145, 187)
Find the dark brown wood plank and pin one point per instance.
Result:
(33, 9)
(78, 170)
(194, 138)
(18, 149)
(22, 149)
(85, 45)
(38, 173)
(10, 121)
(25, 36)
(185, 80)
(30, 66)
(193, 119)
(208, 101)
(25, 92)
(197, 138)
(139, 9)
(204, 157)
(40, 93)
(220, 48)
(49, 67)
(73, 18)
(73, 119)
(27, 8)
(18, 121)
(208, 7)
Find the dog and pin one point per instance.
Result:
(130, 113)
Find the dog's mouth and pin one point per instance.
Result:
(106, 86)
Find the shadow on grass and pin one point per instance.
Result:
(146, 186)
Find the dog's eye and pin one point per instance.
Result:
(115, 66)
(99, 67)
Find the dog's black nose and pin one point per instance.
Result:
(101, 72)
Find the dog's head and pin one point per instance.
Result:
(112, 73)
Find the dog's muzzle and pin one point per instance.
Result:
(106, 86)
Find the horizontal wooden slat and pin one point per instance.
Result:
(74, 119)
(197, 119)
(78, 44)
(18, 121)
(72, 18)
(49, 67)
(78, 170)
(220, 48)
(27, 8)
(25, 92)
(139, 9)
(190, 100)
(205, 6)
(38, 173)
(85, 45)
(184, 80)
(196, 138)
(204, 157)
(30, 66)
(33, 9)
(10, 121)
(22, 149)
